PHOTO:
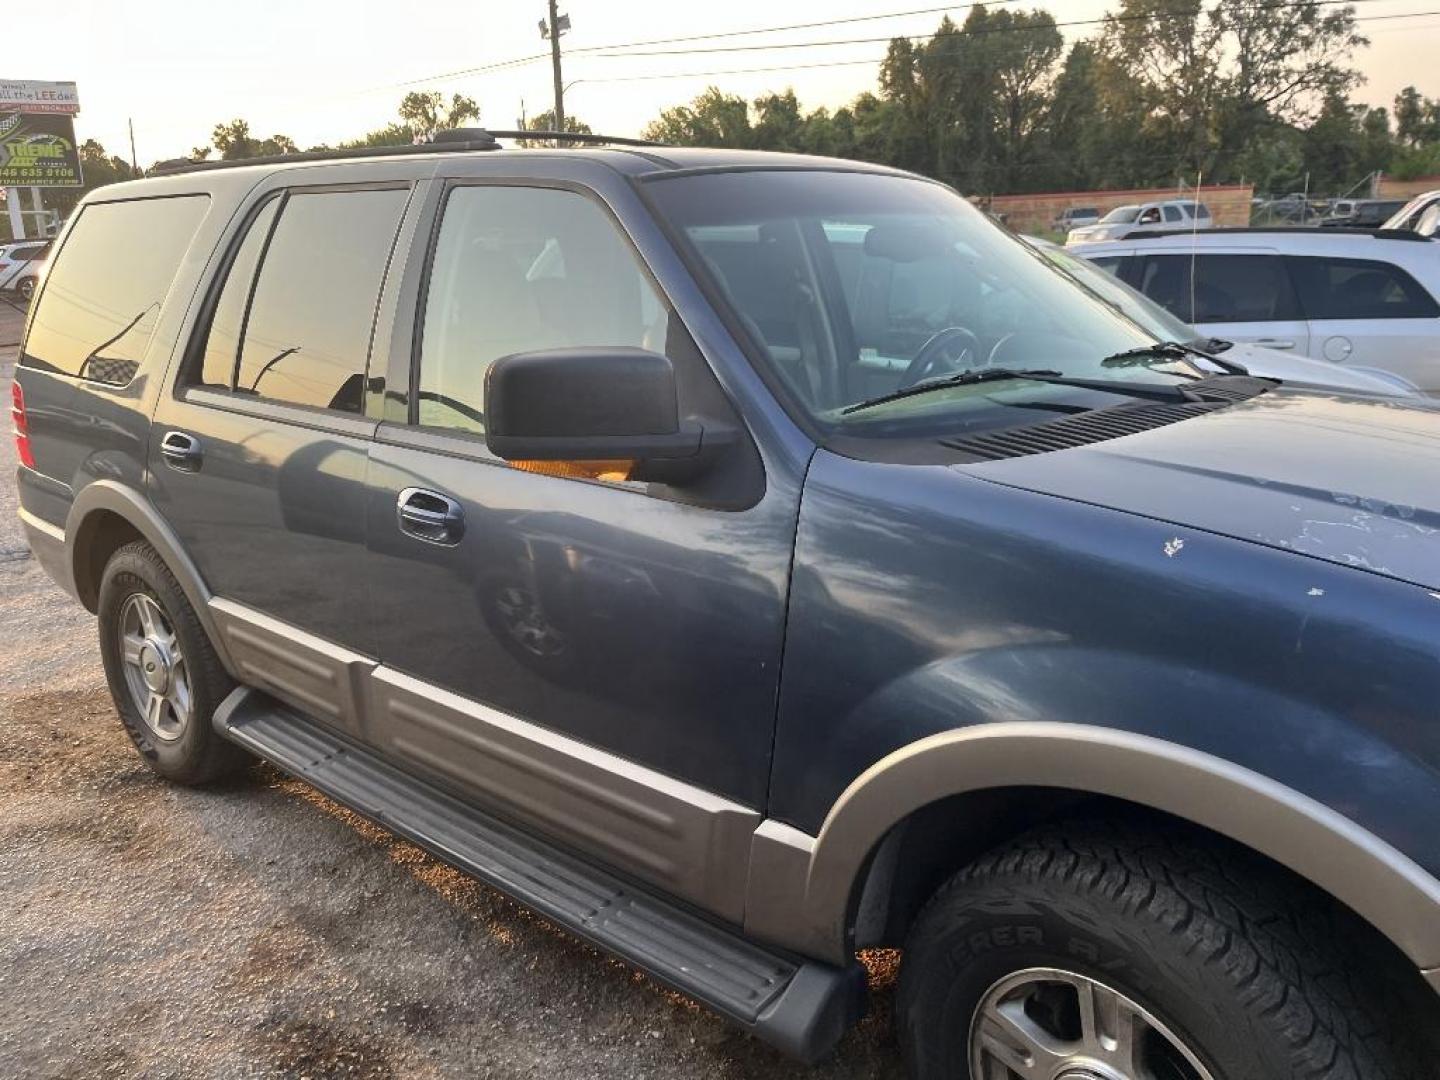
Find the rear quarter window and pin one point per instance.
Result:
(1359, 289)
(102, 298)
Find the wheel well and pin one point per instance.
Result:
(100, 535)
(920, 853)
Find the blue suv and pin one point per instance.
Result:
(746, 559)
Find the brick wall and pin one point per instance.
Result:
(1390, 188)
(1229, 204)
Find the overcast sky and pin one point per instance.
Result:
(325, 70)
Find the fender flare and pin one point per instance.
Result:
(801, 887)
(117, 498)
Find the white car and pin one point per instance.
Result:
(1255, 359)
(1421, 215)
(20, 265)
(1359, 299)
(1123, 220)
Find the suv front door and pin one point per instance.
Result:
(596, 656)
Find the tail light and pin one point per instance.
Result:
(22, 427)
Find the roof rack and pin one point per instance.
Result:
(1378, 234)
(449, 141)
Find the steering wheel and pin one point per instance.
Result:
(944, 353)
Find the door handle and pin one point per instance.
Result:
(430, 516)
(181, 451)
(1275, 343)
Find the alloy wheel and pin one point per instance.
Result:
(1050, 1024)
(155, 671)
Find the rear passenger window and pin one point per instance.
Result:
(519, 270)
(1359, 289)
(103, 296)
(306, 335)
(1172, 213)
(222, 345)
(1226, 288)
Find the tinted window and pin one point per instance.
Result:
(1109, 263)
(308, 331)
(102, 298)
(1122, 214)
(25, 254)
(521, 270)
(1172, 213)
(1227, 288)
(222, 345)
(1359, 289)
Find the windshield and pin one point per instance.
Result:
(1132, 303)
(1408, 216)
(855, 285)
(1122, 215)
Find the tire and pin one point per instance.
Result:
(26, 289)
(1208, 951)
(188, 751)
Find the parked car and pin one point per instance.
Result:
(1371, 299)
(21, 264)
(1123, 220)
(1421, 215)
(1252, 359)
(1360, 213)
(1075, 216)
(745, 559)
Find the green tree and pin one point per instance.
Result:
(235, 143)
(98, 167)
(426, 112)
(712, 119)
(545, 121)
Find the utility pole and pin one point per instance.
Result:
(552, 28)
(134, 166)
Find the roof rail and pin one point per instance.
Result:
(449, 141)
(1309, 230)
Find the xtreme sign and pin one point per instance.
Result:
(38, 150)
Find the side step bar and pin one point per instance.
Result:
(800, 1006)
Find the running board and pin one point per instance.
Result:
(799, 1006)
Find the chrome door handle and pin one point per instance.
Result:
(1275, 343)
(430, 516)
(181, 450)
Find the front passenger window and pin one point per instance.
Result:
(522, 270)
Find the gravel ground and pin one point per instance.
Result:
(258, 929)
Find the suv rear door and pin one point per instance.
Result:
(1239, 293)
(1370, 312)
(595, 656)
(258, 456)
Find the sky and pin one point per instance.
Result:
(326, 70)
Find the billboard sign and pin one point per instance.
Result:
(38, 150)
(37, 96)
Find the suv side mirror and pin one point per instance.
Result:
(603, 405)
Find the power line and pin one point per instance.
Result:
(958, 32)
(879, 59)
(611, 51)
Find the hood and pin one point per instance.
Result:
(1301, 370)
(1352, 480)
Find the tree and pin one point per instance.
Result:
(545, 121)
(712, 119)
(235, 143)
(427, 112)
(1417, 119)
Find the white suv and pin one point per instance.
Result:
(20, 265)
(1360, 299)
(1123, 220)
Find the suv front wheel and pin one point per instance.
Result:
(163, 673)
(1111, 952)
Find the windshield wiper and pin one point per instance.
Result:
(1172, 350)
(1042, 375)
